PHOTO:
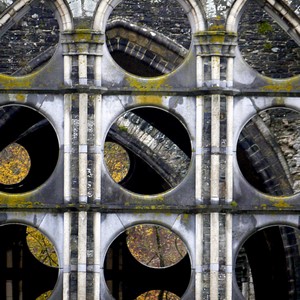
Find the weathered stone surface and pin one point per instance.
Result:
(166, 17)
(30, 42)
(265, 46)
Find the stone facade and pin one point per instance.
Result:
(229, 76)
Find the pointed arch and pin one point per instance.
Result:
(280, 11)
(191, 7)
(20, 7)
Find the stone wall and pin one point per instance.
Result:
(167, 17)
(36, 32)
(265, 46)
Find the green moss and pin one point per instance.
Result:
(267, 46)
(264, 27)
(123, 128)
(233, 204)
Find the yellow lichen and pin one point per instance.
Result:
(155, 100)
(9, 82)
(286, 85)
(282, 204)
(144, 85)
(20, 98)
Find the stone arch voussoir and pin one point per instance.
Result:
(152, 146)
(160, 52)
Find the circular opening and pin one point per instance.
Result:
(155, 246)
(24, 270)
(158, 147)
(128, 274)
(28, 40)
(158, 295)
(148, 38)
(265, 46)
(268, 150)
(28, 149)
(267, 265)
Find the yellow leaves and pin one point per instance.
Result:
(155, 246)
(116, 160)
(41, 247)
(157, 295)
(44, 296)
(14, 164)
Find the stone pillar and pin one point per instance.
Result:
(216, 47)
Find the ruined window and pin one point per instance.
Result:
(28, 40)
(147, 262)
(148, 38)
(265, 46)
(267, 264)
(28, 263)
(158, 150)
(268, 150)
(28, 149)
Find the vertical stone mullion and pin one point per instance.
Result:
(82, 49)
(97, 255)
(199, 147)
(215, 179)
(67, 260)
(82, 216)
(97, 194)
(199, 257)
(67, 193)
(214, 256)
(228, 228)
(82, 253)
(215, 148)
(229, 178)
(82, 69)
(198, 175)
(98, 66)
(83, 148)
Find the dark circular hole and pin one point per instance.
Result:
(268, 149)
(127, 273)
(23, 270)
(267, 265)
(144, 38)
(158, 147)
(155, 246)
(28, 168)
